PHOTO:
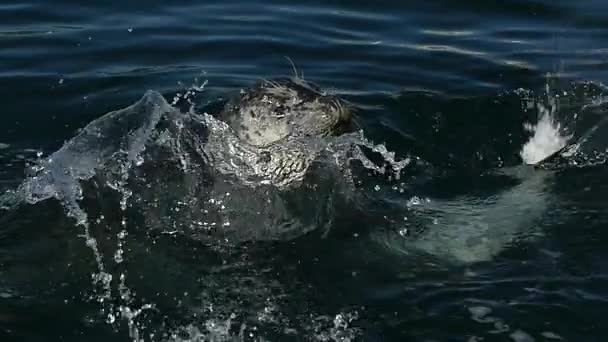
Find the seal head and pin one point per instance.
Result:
(273, 111)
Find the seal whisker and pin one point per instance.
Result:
(295, 70)
(338, 106)
(270, 85)
(267, 81)
(264, 80)
(356, 123)
(276, 85)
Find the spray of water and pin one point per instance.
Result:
(471, 229)
(109, 150)
(547, 134)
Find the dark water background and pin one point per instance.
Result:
(435, 78)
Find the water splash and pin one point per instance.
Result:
(126, 151)
(230, 156)
(547, 138)
(104, 152)
(189, 92)
(569, 131)
(571, 128)
(337, 328)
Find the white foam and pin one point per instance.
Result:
(547, 138)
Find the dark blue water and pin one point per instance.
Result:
(450, 82)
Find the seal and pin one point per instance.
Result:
(253, 169)
(271, 132)
(236, 169)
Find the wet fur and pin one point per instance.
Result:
(273, 110)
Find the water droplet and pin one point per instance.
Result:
(413, 201)
(118, 256)
(111, 318)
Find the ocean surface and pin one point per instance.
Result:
(481, 239)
